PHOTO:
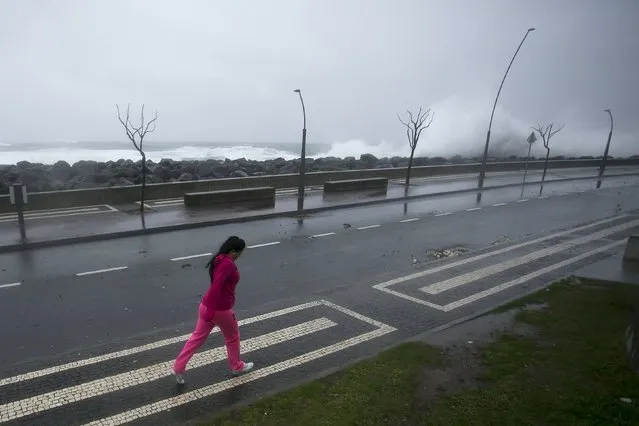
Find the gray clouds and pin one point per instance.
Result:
(225, 71)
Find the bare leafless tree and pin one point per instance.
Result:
(140, 131)
(414, 128)
(546, 133)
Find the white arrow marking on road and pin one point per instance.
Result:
(479, 274)
(57, 398)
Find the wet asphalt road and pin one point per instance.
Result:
(60, 311)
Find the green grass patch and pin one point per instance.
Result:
(572, 371)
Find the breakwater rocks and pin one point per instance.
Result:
(92, 174)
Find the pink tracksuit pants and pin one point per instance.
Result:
(206, 320)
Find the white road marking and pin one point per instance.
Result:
(193, 256)
(147, 347)
(322, 235)
(499, 204)
(383, 286)
(497, 268)
(473, 209)
(168, 201)
(10, 285)
(368, 227)
(100, 271)
(443, 214)
(542, 197)
(62, 210)
(409, 220)
(263, 245)
(215, 388)
(110, 207)
(520, 280)
(529, 276)
(57, 398)
(523, 200)
(50, 216)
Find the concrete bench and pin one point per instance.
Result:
(631, 254)
(334, 186)
(260, 197)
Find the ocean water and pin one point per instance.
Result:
(71, 152)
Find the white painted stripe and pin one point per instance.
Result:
(53, 212)
(543, 197)
(146, 347)
(497, 268)
(498, 288)
(56, 215)
(62, 210)
(409, 220)
(100, 271)
(193, 256)
(169, 201)
(473, 209)
(210, 390)
(529, 276)
(10, 285)
(443, 214)
(60, 397)
(523, 200)
(322, 235)
(110, 207)
(368, 227)
(213, 389)
(460, 262)
(499, 204)
(264, 245)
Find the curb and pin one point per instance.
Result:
(288, 213)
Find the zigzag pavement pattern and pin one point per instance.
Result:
(132, 386)
(456, 284)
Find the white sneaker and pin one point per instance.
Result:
(179, 378)
(248, 366)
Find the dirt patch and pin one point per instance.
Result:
(459, 373)
(461, 348)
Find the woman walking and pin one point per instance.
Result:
(216, 308)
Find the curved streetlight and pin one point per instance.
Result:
(605, 156)
(302, 171)
(482, 173)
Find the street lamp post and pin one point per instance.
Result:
(605, 156)
(482, 173)
(302, 171)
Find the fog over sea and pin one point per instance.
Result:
(71, 152)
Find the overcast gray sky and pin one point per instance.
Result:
(225, 71)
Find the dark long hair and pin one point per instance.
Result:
(232, 243)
